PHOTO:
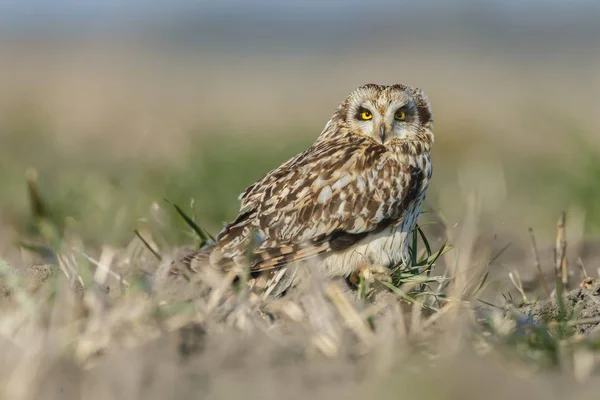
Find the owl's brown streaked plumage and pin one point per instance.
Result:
(351, 199)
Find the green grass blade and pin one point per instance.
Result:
(156, 254)
(425, 241)
(502, 250)
(413, 253)
(46, 252)
(400, 292)
(482, 284)
(202, 234)
(38, 207)
(443, 250)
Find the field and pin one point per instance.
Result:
(95, 136)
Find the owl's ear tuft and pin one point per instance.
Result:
(423, 107)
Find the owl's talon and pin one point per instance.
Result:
(371, 273)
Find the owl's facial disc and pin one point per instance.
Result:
(402, 120)
(368, 120)
(393, 121)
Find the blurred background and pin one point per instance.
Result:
(118, 105)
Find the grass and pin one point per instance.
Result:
(88, 309)
(572, 184)
(94, 314)
(104, 201)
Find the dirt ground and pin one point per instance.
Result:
(579, 304)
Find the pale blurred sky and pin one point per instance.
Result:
(17, 11)
(308, 24)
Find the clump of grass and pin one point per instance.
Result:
(100, 307)
(559, 332)
(414, 281)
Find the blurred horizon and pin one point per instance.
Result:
(342, 22)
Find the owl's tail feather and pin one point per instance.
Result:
(195, 264)
(192, 262)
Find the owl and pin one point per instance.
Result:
(350, 201)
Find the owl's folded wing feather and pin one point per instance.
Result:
(324, 200)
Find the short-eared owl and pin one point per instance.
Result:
(349, 201)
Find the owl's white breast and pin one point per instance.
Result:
(387, 248)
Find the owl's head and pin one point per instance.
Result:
(386, 114)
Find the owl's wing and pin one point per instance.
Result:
(325, 199)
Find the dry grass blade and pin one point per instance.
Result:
(350, 314)
(561, 252)
(415, 319)
(435, 317)
(584, 321)
(103, 267)
(515, 278)
(582, 266)
(538, 267)
(460, 266)
(218, 293)
(67, 267)
(401, 327)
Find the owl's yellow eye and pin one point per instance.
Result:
(366, 115)
(400, 116)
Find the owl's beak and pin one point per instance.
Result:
(382, 134)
